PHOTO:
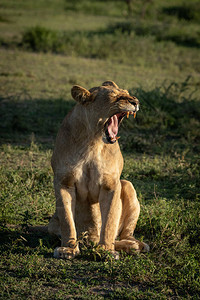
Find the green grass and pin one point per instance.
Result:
(48, 46)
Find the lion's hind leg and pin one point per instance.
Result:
(128, 221)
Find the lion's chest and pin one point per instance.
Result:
(88, 181)
(91, 173)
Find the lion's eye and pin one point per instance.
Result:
(122, 98)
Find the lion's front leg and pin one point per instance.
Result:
(65, 209)
(111, 207)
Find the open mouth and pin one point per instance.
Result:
(112, 125)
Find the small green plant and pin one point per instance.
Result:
(41, 39)
(26, 220)
(89, 250)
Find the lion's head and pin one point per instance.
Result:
(106, 106)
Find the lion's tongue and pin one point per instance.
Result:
(113, 126)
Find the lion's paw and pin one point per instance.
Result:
(66, 252)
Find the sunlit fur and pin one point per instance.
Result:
(89, 193)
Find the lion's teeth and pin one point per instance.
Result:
(127, 114)
(134, 115)
(117, 137)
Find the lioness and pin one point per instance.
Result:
(87, 164)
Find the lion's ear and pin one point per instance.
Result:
(80, 94)
(110, 83)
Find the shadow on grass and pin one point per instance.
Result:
(19, 241)
(23, 117)
(167, 120)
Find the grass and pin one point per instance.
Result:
(154, 54)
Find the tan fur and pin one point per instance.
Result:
(89, 193)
